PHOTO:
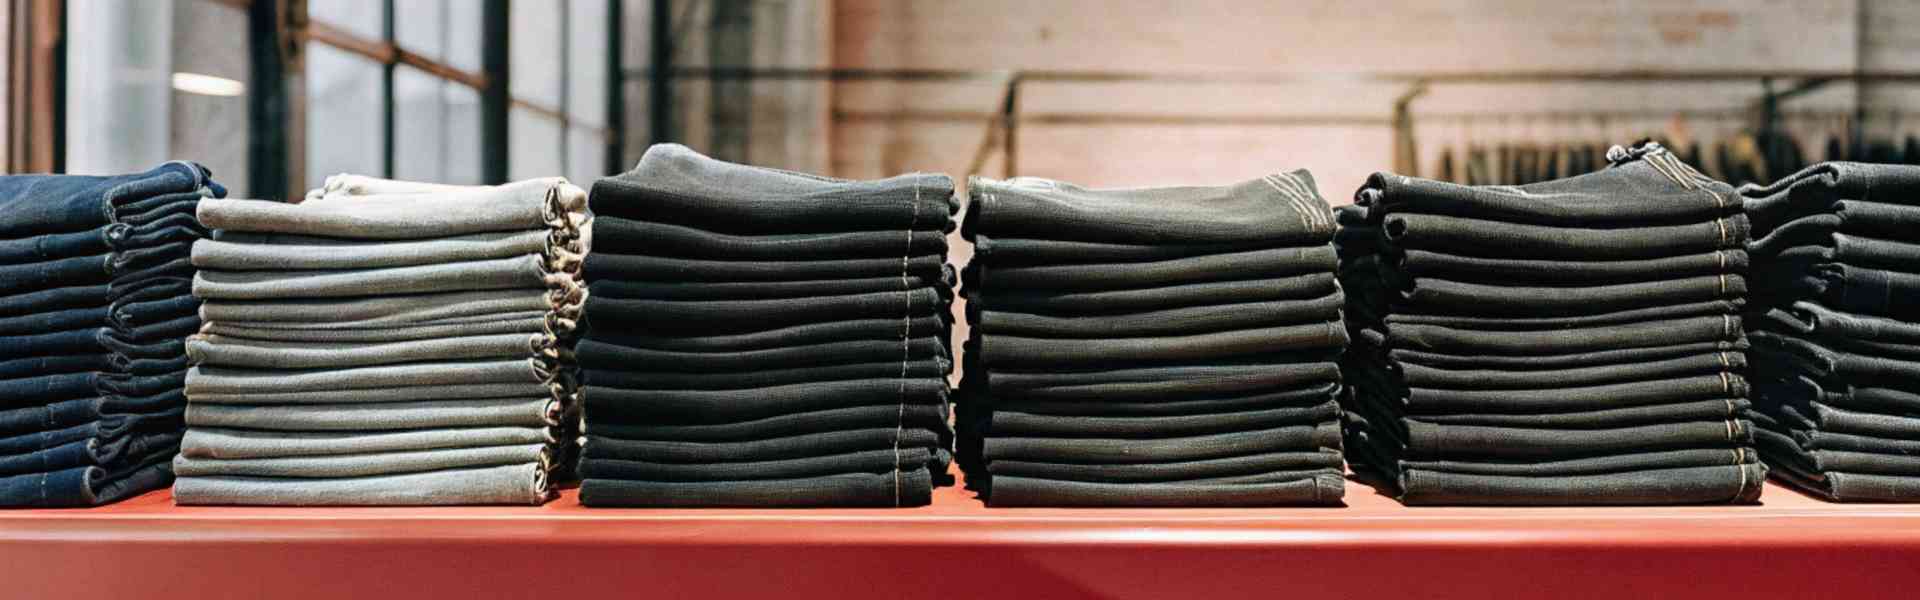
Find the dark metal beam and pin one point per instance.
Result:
(495, 60)
(660, 80)
(616, 158)
(267, 109)
(388, 146)
(1248, 77)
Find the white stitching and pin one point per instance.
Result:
(906, 344)
(1299, 207)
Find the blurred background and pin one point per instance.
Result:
(274, 95)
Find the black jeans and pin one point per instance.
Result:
(606, 265)
(1872, 197)
(1281, 209)
(1430, 338)
(1175, 321)
(673, 184)
(1162, 382)
(796, 446)
(1252, 464)
(1623, 356)
(1450, 297)
(1635, 194)
(1492, 239)
(741, 316)
(884, 460)
(1321, 489)
(880, 329)
(1009, 421)
(1177, 296)
(1737, 484)
(1524, 271)
(896, 489)
(1294, 398)
(650, 238)
(1157, 450)
(1018, 252)
(1614, 463)
(1033, 353)
(919, 416)
(1273, 263)
(762, 290)
(1368, 315)
(662, 380)
(593, 354)
(1416, 375)
(734, 405)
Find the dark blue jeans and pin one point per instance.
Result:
(43, 204)
(53, 300)
(41, 248)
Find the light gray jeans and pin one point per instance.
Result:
(379, 311)
(518, 206)
(202, 380)
(516, 323)
(525, 271)
(377, 395)
(524, 483)
(210, 442)
(238, 352)
(362, 465)
(502, 412)
(257, 252)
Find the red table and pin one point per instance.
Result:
(1790, 547)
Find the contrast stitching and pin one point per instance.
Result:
(1291, 201)
(1305, 196)
(1299, 206)
(906, 347)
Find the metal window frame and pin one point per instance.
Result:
(609, 132)
(36, 86)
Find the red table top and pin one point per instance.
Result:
(1790, 546)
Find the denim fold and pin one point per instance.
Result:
(1576, 341)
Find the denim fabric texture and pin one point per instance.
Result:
(91, 364)
(1836, 329)
(386, 342)
(1152, 347)
(758, 337)
(1576, 341)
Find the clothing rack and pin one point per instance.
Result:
(1003, 123)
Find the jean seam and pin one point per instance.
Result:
(906, 353)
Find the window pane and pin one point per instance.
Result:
(118, 85)
(344, 114)
(209, 113)
(586, 155)
(420, 26)
(364, 18)
(533, 145)
(464, 30)
(535, 48)
(463, 135)
(587, 59)
(419, 125)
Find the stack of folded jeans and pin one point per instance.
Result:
(97, 296)
(1836, 329)
(1576, 341)
(385, 342)
(765, 338)
(1151, 347)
